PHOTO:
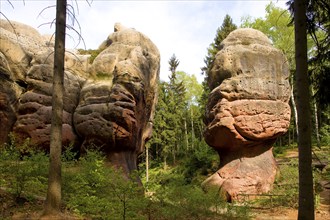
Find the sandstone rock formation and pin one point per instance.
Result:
(247, 110)
(108, 104)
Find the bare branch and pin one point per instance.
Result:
(43, 10)
(51, 38)
(71, 13)
(10, 24)
(79, 35)
(51, 24)
(74, 56)
(10, 5)
(69, 35)
(89, 3)
(77, 7)
(48, 57)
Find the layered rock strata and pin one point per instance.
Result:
(247, 110)
(108, 103)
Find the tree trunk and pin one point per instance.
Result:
(186, 134)
(317, 126)
(289, 144)
(147, 163)
(192, 129)
(306, 195)
(53, 198)
(294, 110)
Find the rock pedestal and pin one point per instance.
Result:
(247, 110)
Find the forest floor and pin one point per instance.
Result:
(322, 212)
(29, 209)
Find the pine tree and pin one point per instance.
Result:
(222, 32)
(168, 135)
(54, 194)
(176, 104)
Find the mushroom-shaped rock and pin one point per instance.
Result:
(246, 111)
(116, 107)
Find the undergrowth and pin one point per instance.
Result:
(92, 188)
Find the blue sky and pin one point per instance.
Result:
(184, 28)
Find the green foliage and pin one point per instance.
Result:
(318, 28)
(91, 52)
(193, 88)
(221, 33)
(174, 63)
(202, 161)
(23, 173)
(325, 127)
(99, 191)
(173, 198)
(285, 190)
(275, 26)
(287, 185)
(69, 154)
(103, 76)
(168, 135)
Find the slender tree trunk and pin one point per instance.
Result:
(294, 109)
(147, 163)
(173, 153)
(165, 163)
(306, 194)
(53, 199)
(192, 129)
(293, 138)
(289, 133)
(317, 126)
(186, 133)
(200, 128)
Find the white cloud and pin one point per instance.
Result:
(185, 28)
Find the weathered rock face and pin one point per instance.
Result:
(247, 110)
(109, 103)
(116, 109)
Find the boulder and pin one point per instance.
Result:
(108, 104)
(247, 110)
(116, 106)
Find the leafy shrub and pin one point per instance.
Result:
(173, 198)
(202, 161)
(91, 52)
(99, 191)
(20, 173)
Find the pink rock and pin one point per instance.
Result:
(247, 110)
(109, 103)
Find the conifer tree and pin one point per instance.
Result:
(176, 105)
(168, 136)
(222, 32)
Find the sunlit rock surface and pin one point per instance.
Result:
(109, 103)
(247, 110)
